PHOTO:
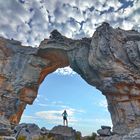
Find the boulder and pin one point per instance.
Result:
(104, 132)
(132, 135)
(114, 137)
(28, 131)
(44, 131)
(63, 133)
(63, 130)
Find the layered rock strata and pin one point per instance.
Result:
(110, 61)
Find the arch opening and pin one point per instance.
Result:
(87, 107)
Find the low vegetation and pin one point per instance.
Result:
(78, 136)
(44, 138)
(92, 137)
(21, 138)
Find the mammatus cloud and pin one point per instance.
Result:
(32, 21)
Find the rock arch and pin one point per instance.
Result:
(110, 60)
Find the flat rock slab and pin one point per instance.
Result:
(105, 127)
(104, 132)
(63, 130)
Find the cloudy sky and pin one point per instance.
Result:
(30, 21)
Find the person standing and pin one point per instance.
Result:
(65, 120)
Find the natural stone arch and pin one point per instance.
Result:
(110, 60)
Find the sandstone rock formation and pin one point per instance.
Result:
(110, 60)
(33, 132)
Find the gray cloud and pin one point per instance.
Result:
(32, 21)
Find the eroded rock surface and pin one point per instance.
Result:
(105, 131)
(33, 132)
(22, 69)
(133, 135)
(110, 60)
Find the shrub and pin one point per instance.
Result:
(40, 138)
(92, 137)
(78, 136)
(21, 138)
(43, 138)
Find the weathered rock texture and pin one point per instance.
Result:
(33, 132)
(133, 135)
(104, 131)
(110, 60)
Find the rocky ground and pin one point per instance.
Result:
(33, 132)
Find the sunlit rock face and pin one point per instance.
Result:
(22, 69)
(110, 60)
(115, 56)
(112, 63)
